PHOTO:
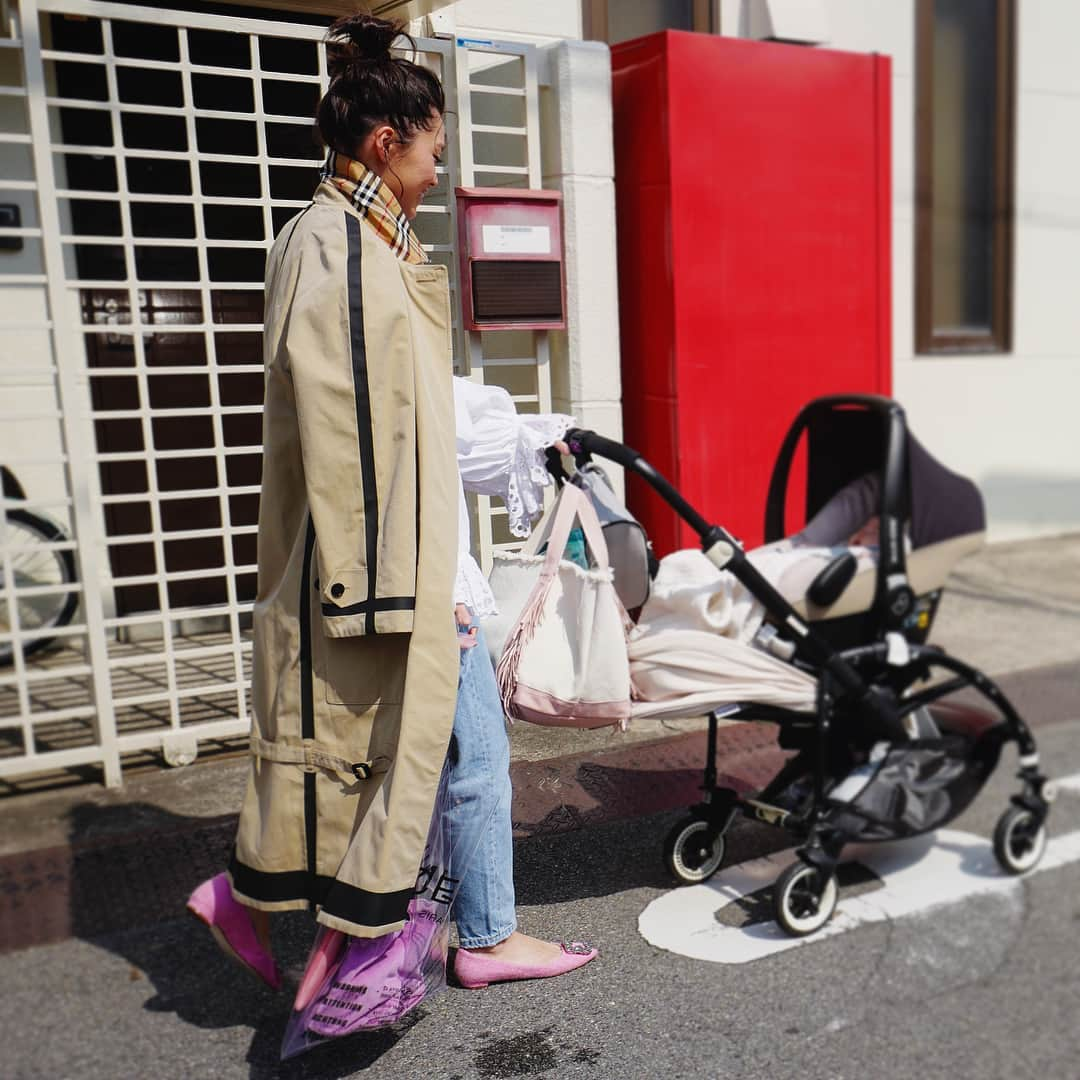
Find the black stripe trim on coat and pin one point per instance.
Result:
(280, 887)
(383, 603)
(292, 232)
(307, 696)
(365, 908)
(362, 393)
(347, 902)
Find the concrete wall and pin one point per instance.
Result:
(1006, 420)
(513, 20)
(578, 160)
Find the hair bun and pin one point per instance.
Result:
(359, 39)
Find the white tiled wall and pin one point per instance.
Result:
(1008, 421)
(515, 20)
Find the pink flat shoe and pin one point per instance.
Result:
(475, 970)
(325, 954)
(213, 903)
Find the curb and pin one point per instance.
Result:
(143, 876)
(127, 880)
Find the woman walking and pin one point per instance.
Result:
(361, 687)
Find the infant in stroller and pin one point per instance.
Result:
(682, 650)
(827, 640)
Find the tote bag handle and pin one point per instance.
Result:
(542, 529)
(573, 503)
(562, 511)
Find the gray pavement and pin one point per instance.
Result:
(985, 988)
(988, 988)
(1014, 606)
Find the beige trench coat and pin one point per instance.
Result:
(356, 658)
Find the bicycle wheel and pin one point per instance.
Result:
(34, 566)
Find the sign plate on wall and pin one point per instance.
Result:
(517, 240)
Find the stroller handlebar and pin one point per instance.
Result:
(583, 442)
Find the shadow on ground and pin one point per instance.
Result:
(127, 894)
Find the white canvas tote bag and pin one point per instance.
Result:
(564, 662)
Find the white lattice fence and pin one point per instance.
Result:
(153, 155)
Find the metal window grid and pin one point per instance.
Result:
(163, 678)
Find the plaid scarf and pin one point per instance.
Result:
(376, 203)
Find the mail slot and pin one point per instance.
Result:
(510, 245)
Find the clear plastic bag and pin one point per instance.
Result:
(355, 984)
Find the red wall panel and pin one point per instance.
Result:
(752, 185)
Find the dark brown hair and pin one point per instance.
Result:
(371, 86)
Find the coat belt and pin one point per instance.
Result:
(312, 756)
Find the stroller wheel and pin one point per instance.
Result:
(1019, 840)
(802, 901)
(689, 855)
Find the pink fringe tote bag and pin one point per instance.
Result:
(564, 662)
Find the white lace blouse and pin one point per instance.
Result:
(500, 452)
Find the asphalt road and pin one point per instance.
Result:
(986, 988)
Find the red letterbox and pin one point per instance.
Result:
(510, 246)
(752, 185)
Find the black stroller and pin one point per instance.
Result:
(883, 756)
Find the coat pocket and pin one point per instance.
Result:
(365, 671)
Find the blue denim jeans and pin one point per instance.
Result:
(480, 804)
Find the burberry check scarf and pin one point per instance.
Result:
(376, 203)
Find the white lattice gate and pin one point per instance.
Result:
(150, 156)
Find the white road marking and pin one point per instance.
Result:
(918, 874)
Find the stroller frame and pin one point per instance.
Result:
(865, 698)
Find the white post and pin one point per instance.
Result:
(579, 161)
(72, 393)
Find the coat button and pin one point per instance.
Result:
(337, 590)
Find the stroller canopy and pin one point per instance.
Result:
(846, 443)
(943, 503)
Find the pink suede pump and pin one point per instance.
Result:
(213, 903)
